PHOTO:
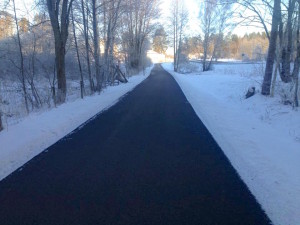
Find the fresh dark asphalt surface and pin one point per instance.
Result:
(146, 160)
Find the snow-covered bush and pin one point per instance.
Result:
(188, 67)
(185, 66)
(286, 92)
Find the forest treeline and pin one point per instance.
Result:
(88, 41)
(250, 47)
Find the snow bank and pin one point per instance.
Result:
(21, 142)
(260, 136)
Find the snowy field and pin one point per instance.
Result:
(26, 137)
(259, 135)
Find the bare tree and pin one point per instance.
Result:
(85, 20)
(31, 72)
(138, 22)
(6, 28)
(174, 21)
(260, 12)
(208, 19)
(96, 45)
(214, 25)
(266, 86)
(59, 13)
(21, 67)
(77, 54)
(179, 19)
(297, 60)
(112, 13)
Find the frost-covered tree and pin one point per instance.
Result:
(160, 42)
(138, 24)
(179, 19)
(214, 18)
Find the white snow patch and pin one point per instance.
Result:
(260, 136)
(22, 141)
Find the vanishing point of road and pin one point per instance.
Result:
(148, 160)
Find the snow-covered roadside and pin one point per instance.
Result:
(260, 136)
(21, 142)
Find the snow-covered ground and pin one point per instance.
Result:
(25, 139)
(259, 135)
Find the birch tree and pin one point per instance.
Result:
(214, 19)
(179, 21)
(112, 12)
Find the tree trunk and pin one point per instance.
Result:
(78, 57)
(107, 20)
(96, 46)
(175, 21)
(297, 62)
(287, 50)
(60, 31)
(278, 56)
(52, 83)
(87, 46)
(174, 46)
(182, 23)
(176, 35)
(296, 80)
(266, 86)
(106, 50)
(1, 125)
(274, 78)
(111, 52)
(31, 79)
(60, 52)
(205, 49)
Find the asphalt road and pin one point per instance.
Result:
(146, 160)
